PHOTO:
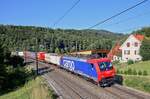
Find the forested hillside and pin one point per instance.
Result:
(55, 40)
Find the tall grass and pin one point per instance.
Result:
(137, 82)
(34, 89)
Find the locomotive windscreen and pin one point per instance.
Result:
(105, 66)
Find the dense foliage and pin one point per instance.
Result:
(12, 72)
(55, 40)
(145, 47)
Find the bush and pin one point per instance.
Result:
(125, 72)
(16, 61)
(139, 72)
(118, 71)
(145, 73)
(116, 62)
(130, 62)
(134, 72)
(129, 71)
(121, 72)
(15, 78)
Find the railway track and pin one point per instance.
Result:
(71, 86)
(138, 96)
(125, 94)
(69, 89)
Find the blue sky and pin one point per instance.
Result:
(87, 13)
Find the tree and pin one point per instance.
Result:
(21, 37)
(57, 50)
(10, 77)
(145, 49)
(3, 71)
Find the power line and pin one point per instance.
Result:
(133, 28)
(66, 13)
(128, 19)
(103, 21)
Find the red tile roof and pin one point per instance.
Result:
(139, 36)
(114, 51)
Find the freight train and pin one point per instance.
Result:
(99, 70)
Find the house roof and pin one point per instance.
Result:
(114, 51)
(139, 37)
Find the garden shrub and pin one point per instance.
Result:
(139, 72)
(125, 72)
(118, 71)
(121, 72)
(145, 73)
(116, 62)
(129, 71)
(130, 62)
(134, 72)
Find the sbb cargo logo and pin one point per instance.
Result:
(68, 64)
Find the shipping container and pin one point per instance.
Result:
(31, 55)
(20, 54)
(41, 56)
(47, 57)
(52, 58)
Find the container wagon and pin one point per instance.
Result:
(41, 56)
(52, 58)
(31, 55)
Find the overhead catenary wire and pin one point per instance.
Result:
(128, 19)
(61, 18)
(118, 14)
(133, 28)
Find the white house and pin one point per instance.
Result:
(131, 47)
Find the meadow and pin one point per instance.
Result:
(34, 89)
(136, 75)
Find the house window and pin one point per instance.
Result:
(136, 44)
(128, 44)
(127, 52)
(135, 52)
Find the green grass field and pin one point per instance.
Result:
(34, 89)
(143, 65)
(139, 82)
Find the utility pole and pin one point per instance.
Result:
(76, 48)
(25, 56)
(36, 53)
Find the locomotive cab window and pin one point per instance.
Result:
(92, 66)
(105, 66)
